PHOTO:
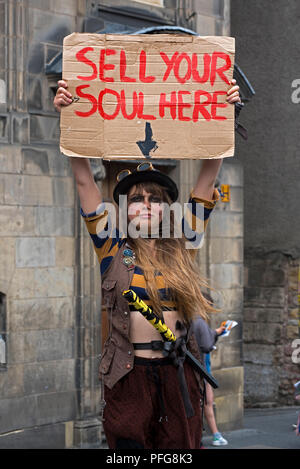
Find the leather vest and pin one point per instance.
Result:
(118, 353)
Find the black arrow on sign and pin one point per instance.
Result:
(148, 144)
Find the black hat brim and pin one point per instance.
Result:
(146, 176)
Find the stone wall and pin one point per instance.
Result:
(271, 163)
(40, 382)
(270, 327)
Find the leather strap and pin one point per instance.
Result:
(153, 345)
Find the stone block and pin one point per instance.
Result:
(28, 190)
(293, 277)
(293, 299)
(2, 192)
(206, 25)
(226, 275)
(50, 376)
(263, 334)
(10, 159)
(34, 84)
(294, 313)
(2, 52)
(265, 275)
(39, 346)
(265, 296)
(16, 221)
(35, 252)
(22, 348)
(226, 224)
(261, 383)
(40, 4)
(262, 315)
(59, 164)
(43, 129)
(87, 432)
(42, 283)
(64, 252)
(7, 264)
(228, 353)
(68, 7)
(11, 381)
(40, 314)
(35, 161)
(63, 191)
(18, 413)
(230, 380)
(41, 21)
(55, 344)
(226, 250)
(56, 407)
(232, 174)
(259, 354)
(20, 128)
(54, 221)
(229, 300)
(229, 411)
(208, 8)
(292, 331)
(34, 65)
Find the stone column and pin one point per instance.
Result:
(88, 428)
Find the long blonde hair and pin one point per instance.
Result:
(175, 263)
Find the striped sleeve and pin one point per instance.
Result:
(104, 234)
(195, 219)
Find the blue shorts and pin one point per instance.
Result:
(207, 362)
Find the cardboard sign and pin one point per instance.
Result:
(148, 96)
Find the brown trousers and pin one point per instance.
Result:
(145, 409)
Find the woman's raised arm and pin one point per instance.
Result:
(88, 191)
(209, 171)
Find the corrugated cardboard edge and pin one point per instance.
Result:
(76, 155)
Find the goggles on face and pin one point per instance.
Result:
(141, 167)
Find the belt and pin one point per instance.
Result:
(153, 345)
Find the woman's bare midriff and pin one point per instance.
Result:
(142, 331)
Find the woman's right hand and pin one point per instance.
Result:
(63, 97)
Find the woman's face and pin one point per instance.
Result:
(144, 210)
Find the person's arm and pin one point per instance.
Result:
(205, 336)
(88, 191)
(204, 188)
(93, 210)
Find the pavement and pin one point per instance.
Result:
(262, 429)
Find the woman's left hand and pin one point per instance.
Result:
(233, 95)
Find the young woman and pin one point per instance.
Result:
(152, 400)
(206, 339)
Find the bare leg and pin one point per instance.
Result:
(209, 410)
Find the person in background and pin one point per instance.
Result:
(206, 339)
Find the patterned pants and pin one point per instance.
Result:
(145, 408)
